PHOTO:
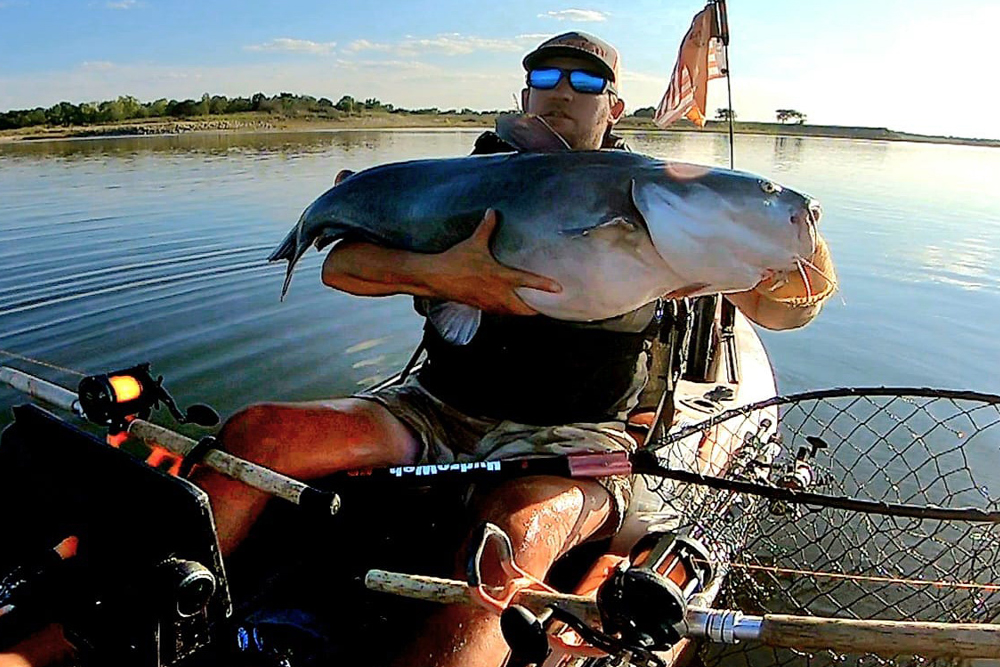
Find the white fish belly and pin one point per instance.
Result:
(600, 279)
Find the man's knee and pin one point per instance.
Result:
(254, 432)
(294, 437)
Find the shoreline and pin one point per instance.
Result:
(252, 123)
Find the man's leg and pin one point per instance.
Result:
(45, 647)
(305, 441)
(544, 517)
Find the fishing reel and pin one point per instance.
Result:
(800, 474)
(646, 603)
(113, 399)
(643, 607)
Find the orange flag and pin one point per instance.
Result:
(700, 59)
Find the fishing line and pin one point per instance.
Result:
(46, 364)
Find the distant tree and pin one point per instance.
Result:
(182, 109)
(270, 105)
(324, 102)
(239, 104)
(347, 104)
(111, 111)
(157, 108)
(34, 117)
(644, 112)
(88, 113)
(784, 115)
(218, 104)
(203, 107)
(63, 113)
(725, 114)
(257, 100)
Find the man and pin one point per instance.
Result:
(524, 384)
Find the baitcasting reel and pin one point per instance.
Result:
(113, 399)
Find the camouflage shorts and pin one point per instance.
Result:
(449, 436)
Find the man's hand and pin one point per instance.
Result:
(468, 273)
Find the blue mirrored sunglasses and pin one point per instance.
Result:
(547, 78)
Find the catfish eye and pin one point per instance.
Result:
(769, 188)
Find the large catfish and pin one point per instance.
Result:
(615, 229)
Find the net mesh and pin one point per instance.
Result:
(920, 448)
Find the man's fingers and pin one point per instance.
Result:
(485, 229)
(538, 282)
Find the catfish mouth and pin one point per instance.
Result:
(807, 218)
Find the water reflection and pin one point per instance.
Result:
(202, 143)
(117, 251)
(787, 150)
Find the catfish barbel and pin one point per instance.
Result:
(615, 229)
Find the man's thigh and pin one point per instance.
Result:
(317, 438)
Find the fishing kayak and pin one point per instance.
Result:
(296, 591)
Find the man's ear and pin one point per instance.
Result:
(617, 111)
(524, 100)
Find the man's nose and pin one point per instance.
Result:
(563, 89)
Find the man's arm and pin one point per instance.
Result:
(466, 273)
(793, 305)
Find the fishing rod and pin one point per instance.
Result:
(818, 468)
(98, 401)
(806, 633)
(113, 400)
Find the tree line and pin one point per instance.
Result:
(126, 108)
(782, 115)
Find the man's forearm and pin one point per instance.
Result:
(366, 269)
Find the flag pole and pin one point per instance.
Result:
(722, 22)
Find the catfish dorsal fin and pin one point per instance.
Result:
(529, 133)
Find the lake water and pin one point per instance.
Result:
(125, 250)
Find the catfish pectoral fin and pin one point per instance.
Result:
(456, 322)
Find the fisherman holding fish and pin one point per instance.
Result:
(500, 380)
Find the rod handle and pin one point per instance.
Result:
(886, 638)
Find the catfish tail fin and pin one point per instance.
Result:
(291, 249)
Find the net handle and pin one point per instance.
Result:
(837, 392)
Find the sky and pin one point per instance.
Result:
(910, 65)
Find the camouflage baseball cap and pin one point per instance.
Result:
(578, 45)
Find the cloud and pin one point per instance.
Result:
(94, 65)
(121, 4)
(289, 45)
(410, 65)
(449, 44)
(576, 15)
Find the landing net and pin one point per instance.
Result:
(924, 545)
